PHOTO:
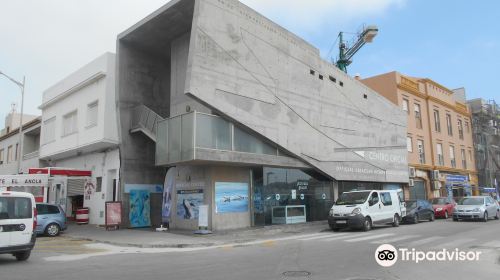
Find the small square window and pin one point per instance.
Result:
(341, 83)
(365, 96)
(312, 72)
(332, 79)
(320, 77)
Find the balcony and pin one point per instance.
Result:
(204, 137)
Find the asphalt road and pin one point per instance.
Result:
(320, 255)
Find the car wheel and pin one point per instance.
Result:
(22, 256)
(395, 223)
(485, 217)
(496, 216)
(415, 219)
(367, 224)
(432, 217)
(52, 230)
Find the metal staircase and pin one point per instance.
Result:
(144, 120)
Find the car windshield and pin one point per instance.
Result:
(15, 208)
(411, 204)
(440, 201)
(471, 201)
(352, 198)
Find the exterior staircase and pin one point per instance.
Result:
(145, 120)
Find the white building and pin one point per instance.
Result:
(79, 131)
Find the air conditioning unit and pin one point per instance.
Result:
(436, 185)
(412, 172)
(435, 175)
(411, 183)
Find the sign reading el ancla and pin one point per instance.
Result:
(30, 180)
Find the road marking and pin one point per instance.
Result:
(395, 239)
(456, 243)
(369, 237)
(335, 238)
(494, 244)
(424, 241)
(320, 236)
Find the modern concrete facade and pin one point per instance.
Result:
(79, 131)
(439, 136)
(486, 128)
(242, 100)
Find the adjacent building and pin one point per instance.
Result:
(439, 136)
(79, 136)
(486, 129)
(248, 120)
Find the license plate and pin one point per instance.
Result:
(341, 222)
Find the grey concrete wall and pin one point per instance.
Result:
(258, 74)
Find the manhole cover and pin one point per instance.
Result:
(296, 273)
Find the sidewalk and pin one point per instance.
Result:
(147, 238)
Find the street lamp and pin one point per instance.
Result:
(21, 85)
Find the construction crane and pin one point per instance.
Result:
(348, 50)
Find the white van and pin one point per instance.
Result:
(17, 224)
(363, 209)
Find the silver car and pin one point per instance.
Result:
(476, 207)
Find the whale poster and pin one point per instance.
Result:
(188, 202)
(231, 197)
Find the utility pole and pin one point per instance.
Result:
(19, 150)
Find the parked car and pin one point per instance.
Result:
(51, 219)
(363, 209)
(418, 210)
(443, 206)
(476, 208)
(17, 224)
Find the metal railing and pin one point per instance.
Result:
(31, 155)
(145, 120)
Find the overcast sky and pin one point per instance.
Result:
(454, 42)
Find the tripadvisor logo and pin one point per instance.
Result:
(387, 255)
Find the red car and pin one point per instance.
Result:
(443, 206)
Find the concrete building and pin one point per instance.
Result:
(249, 118)
(486, 129)
(10, 152)
(79, 132)
(439, 136)
(13, 119)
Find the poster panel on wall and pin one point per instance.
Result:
(113, 215)
(231, 197)
(139, 213)
(188, 202)
(168, 187)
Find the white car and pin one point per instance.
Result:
(17, 224)
(363, 209)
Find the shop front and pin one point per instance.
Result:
(457, 185)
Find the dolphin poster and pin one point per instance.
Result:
(188, 202)
(231, 197)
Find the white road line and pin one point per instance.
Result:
(395, 239)
(321, 236)
(424, 241)
(369, 237)
(336, 237)
(455, 243)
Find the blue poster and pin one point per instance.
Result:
(231, 197)
(139, 208)
(188, 202)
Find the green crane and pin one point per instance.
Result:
(347, 51)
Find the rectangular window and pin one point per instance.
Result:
(439, 150)
(10, 154)
(418, 116)
(69, 124)
(1, 156)
(409, 144)
(467, 129)
(452, 157)
(92, 111)
(460, 130)
(421, 151)
(470, 156)
(386, 198)
(17, 152)
(49, 130)
(437, 121)
(98, 184)
(449, 124)
(406, 106)
(464, 160)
